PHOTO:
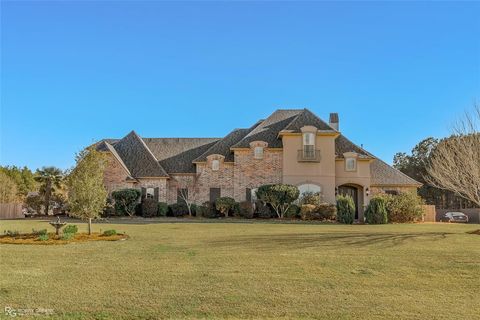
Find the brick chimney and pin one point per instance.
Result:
(334, 121)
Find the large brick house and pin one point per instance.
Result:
(290, 146)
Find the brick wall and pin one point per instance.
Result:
(181, 181)
(115, 175)
(208, 178)
(253, 173)
(160, 183)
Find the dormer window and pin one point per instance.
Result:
(215, 165)
(258, 153)
(350, 164)
(309, 145)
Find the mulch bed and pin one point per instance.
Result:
(30, 238)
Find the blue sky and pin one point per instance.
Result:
(76, 72)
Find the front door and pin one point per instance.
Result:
(352, 192)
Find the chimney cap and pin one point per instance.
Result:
(333, 117)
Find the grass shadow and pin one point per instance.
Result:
(312, 240)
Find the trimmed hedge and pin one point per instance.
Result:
(149, 207)
(162, 209)
(345, 209)
(376, 212)
(225, 205)
(178, 210)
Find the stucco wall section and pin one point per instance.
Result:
(253, 173)
(320, 173)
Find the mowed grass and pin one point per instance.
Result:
(257, 270)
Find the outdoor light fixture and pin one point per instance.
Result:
(336, 191)
(367, 192)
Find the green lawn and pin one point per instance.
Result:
(259, 270)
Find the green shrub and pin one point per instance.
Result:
(43, 237)
(207, 210)
(293, 212)
(126, 201)
(71, 228)
(67, 235)
(162, 209)
(236, 209)
(246, 209)
(178, 209)
(278, 196)
(224, 205)
(39, 232)
(263, 211)
(376, 212)
(404, 207)
(345, 209)
(110, 232)
(322, 211)
(149, 207)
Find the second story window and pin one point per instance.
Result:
(309, 145)
(215, 165)
(258, 153)
(350, 164)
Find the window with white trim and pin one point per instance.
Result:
(309, 145)
(215, 165)
(150, 193)
(350, 164)
(258, 153)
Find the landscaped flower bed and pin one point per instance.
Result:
(52, 238)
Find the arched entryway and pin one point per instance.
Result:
(356, 192)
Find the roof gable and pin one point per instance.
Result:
(307, 118)
(268, 129)
(138, 158)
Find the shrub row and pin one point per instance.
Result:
(404, 207)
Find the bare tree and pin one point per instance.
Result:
(455, 163)
(187, 190)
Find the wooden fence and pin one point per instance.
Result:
(11, 211)
(429, 213)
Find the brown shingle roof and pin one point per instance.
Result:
(269, 128)
(343, 145)
(176, 155)
(383, 174)
(138, 158)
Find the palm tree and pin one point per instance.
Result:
(50, 178)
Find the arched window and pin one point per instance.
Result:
(308, 187)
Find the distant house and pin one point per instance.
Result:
(290, 146)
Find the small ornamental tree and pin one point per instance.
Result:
(126, 200)
(345, 209)
(224, 205)
(279, 196)
(376, 212)
(86, 193)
